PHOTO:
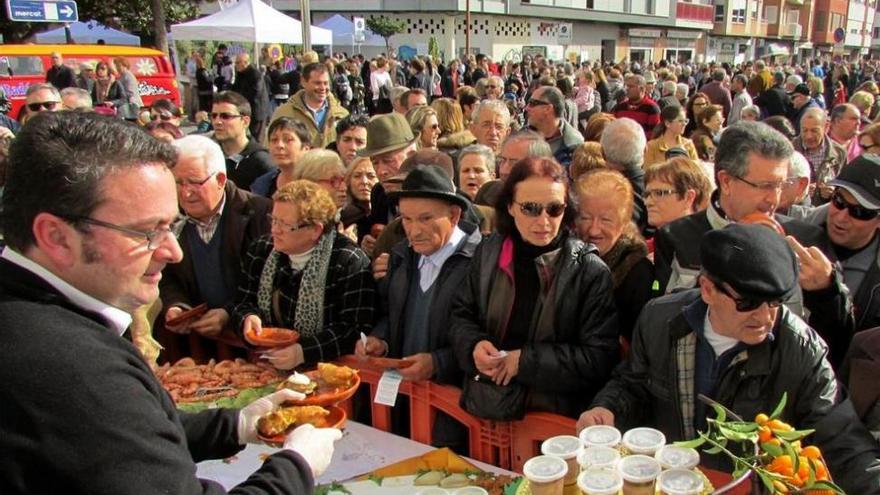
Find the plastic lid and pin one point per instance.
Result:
(565, 446)
(608, 436)
(470, 490)
(680, 482)
(600, 481)
(643, 440)
(432, 490)
(545, 468)
(638, 468)
(599, 457)
(674, 457)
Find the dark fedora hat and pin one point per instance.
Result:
(389, 132)
(429, 181)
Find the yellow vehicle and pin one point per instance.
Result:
(23, 65)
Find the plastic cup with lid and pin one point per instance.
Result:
(680, 482)
(566, 447)
(639, 472)
(600, 481)
(546, 474)
(645, 441)
(598, 457)
(600, 436)
(675, 457)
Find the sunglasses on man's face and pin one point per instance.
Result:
(858, 212)
(532, 209)
(745, 304)
(43, 105)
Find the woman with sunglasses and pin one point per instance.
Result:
(695, 104)
(669, 134)
(536, 313)
(107, 90)
(325, 168)
(306, 277)
(423, 122)
(165, 110)
(605, 203)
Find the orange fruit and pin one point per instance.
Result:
(776, 424)
(782, 465)
(812, 452)
(765, 434)
(761, 419)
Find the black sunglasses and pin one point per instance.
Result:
(858, 212)
(534, 102)
(225, 116)
(744, 304)
(531, 209)
(45, 105)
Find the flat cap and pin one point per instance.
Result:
(752, 259)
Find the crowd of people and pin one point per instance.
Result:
(590, 241)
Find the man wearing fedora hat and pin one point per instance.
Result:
(423, 276)
(390, 141)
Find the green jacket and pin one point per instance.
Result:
(296, 109)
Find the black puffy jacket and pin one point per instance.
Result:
(564, 367)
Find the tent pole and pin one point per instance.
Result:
(306, 16)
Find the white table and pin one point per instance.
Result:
(361, 450)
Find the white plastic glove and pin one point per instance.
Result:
(315, 445)
(248, 416)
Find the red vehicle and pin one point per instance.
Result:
(23, 65)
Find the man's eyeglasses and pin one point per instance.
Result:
(154, 237)
(659, 193)
(43, 105)
(744, 304)
(194, 183)
(275, 221)
(334, 182)
(534, 102)
(765, 186)
(225, 115)
(858, 212)
(532, 209)
(682, 121)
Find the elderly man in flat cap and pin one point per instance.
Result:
(424, 273)
(733, 341)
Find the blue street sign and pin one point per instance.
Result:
(37, 11)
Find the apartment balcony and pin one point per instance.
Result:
(695, 12)
(795, 2)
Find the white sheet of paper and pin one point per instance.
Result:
(386, 393)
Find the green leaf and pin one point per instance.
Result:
(717, 449)
(742, 426)
(692, 444)
(737, 436)
(772, 449)
(812, 478)
(768, 483)
(780, 407)
(789, 450)
(720, 413)
(334, 487)
(376, 479)
(794, 435)
(827, 485)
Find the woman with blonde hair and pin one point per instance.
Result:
(817, 90)
(586, 158)
(130, 86)
(423, 122)
(325, 168)
(359, 180)
(605, 204)
(306, 277)
(453, 134)
(596, 125)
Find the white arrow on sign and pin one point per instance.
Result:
(66, 10)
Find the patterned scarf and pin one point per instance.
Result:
(309, 318)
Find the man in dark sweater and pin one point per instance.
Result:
(60, 75)
(82, 412)
(221, 222)
(245, 158)
(249, 83)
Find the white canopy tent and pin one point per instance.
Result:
(249, 21)
(343, 34)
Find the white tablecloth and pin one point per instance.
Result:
(361, 450)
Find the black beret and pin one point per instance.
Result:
(753, 259)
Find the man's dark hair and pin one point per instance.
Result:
(742, 79)
(351, 122)
(404, 98)
(743, 138)
(295, 126)
(232, 98)
(554, 97)
(57, 162)
(167, 105)
(313, 68)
